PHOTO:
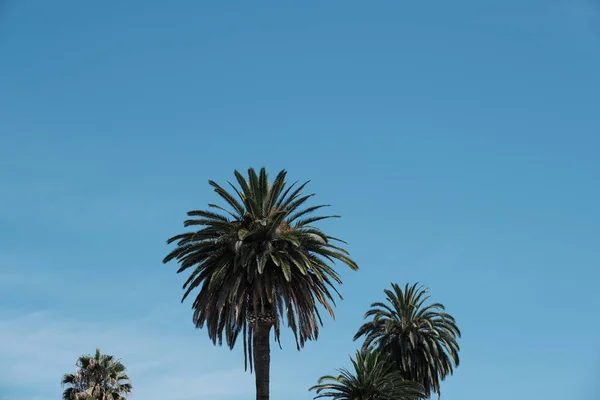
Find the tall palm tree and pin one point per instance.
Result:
(98, 377)
(259, 263)
(421, 340)
(373, 379)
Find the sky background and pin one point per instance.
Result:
(458, 139)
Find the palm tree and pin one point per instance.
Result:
(98, 377)
(258, 263)
(373, 379)
(420, 339)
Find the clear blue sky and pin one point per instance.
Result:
(458, 139)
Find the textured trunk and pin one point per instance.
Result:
(262, 359)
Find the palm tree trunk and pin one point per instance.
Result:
(262, 359)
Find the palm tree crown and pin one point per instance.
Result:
(259, 260)
(420, 339)
(373, 379)
(98, 377)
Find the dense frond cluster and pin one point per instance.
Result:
(420, 339)
(373, 378)
(259, 257)
(98, 377)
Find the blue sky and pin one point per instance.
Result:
(458, 139)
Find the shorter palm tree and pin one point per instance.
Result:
(98, 377)
(420, 339)
(373, 378)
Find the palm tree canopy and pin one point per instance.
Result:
(422, 340)
(373, 378)
(98, 377)
(259, 256)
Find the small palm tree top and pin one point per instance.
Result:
(372, 378)
(98, 377)
(259, 257)
(422, 340)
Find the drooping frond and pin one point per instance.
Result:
(259, 254)
(421, 340)
(372, 378)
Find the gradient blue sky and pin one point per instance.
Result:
(458, 139)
